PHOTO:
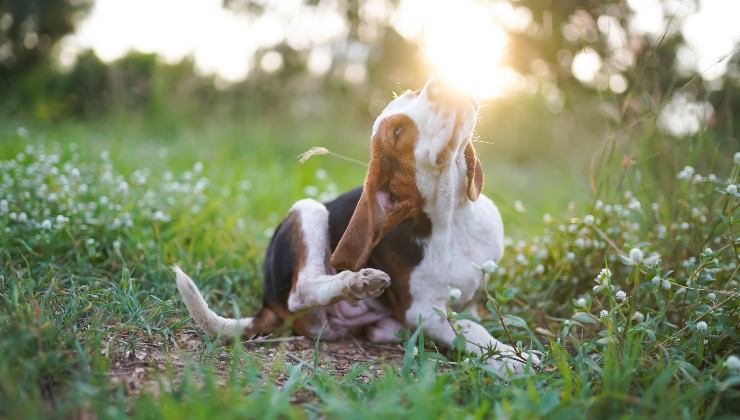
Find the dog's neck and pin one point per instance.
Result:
(449, 199)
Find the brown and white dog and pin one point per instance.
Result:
(386, 255)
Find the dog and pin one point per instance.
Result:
(386, 255)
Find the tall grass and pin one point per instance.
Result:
(631, 296)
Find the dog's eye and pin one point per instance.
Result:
(397, 132)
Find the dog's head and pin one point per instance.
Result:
(419, 136)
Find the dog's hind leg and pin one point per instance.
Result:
(315, 282)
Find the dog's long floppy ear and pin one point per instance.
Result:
(375, 216)
(364, 227)
(474, 176)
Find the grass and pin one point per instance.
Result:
(90, 295)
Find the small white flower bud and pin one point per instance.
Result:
(489, 266)
(733, 362)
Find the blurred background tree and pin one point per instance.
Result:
(567, 78)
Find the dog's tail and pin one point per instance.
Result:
(264, 322)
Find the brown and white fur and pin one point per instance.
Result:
(386, 255)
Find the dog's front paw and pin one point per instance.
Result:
(367, 283)
(509, 365)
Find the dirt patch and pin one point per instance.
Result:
(151, 367)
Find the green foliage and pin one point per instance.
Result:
(81, 292)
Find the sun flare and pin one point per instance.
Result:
(465, 47)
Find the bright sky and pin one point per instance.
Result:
(463, 40)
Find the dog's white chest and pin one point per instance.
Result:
(454, 254)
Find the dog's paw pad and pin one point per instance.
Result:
(369, 282)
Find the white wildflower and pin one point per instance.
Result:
(581, 302)
(733, 362)
(580, 243)
(160, 216)
(539, 269)
(638, 316)
(732, 189)
(22, 217)
(655, 206)
(547, 218)
(603, 313)
(570, 256)
(656, 280)
(597, 289)
(701, 326)
(662, 231)
(455, 293)
(665, 284)
(123, 187)
(686, 173)
(3, 206)
(46, 224)
(311, 190)
(598, 205)
(61, 221)
(621, 295)
(634, 257)
(685, 226)
(589, 219)
(604, 276)
(489, 266)
(712, 296)
(634, 204)
(321, 174)
(519, 206)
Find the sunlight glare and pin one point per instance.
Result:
(465, 47)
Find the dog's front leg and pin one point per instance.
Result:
(477, 339)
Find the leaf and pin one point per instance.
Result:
(514, 321)
(585, 318)
(408, 356)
